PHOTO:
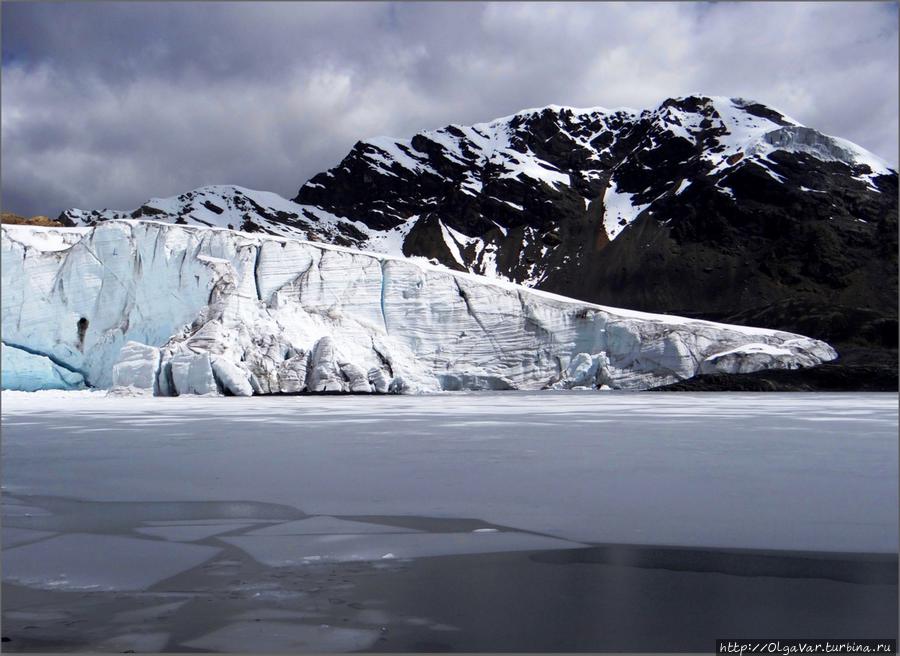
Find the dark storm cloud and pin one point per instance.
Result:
(107, 104)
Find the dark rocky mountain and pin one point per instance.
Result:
(828, 377)
(711, 207)
(621, 208)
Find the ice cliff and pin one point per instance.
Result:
(151, 306)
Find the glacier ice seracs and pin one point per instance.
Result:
(170, 310)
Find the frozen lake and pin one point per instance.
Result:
(340, 523)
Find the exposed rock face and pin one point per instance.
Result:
(829, 377)
(702, 206)
(40, 220)
(180, 310)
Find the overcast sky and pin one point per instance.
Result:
(108, 104)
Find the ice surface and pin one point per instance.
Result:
(239, 314)
(13, 537)
(148, 642)
(28, 372)
(768, 471)
(756, 137)
(44, 238)
(11, 509)
(206, 522)
(87, 561)
(37, 614)
(283, 637)
(796, 138)
(144, 614)
(281, 551)
(188, 533)
(328, 526)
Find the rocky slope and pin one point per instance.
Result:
(145, 305)
(15, 219)
(702, 206)
(829, 377)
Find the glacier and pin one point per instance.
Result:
(29, 372)
(149, 307)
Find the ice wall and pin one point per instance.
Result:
(209, 311)
(28, 372)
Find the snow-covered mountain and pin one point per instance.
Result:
(705, 206)
(232, 207)
(531, 197)
(180, 309)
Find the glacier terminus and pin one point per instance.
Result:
(141, 306)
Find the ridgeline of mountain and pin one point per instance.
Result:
(710, 207)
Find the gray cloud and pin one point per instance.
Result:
(106, 104)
